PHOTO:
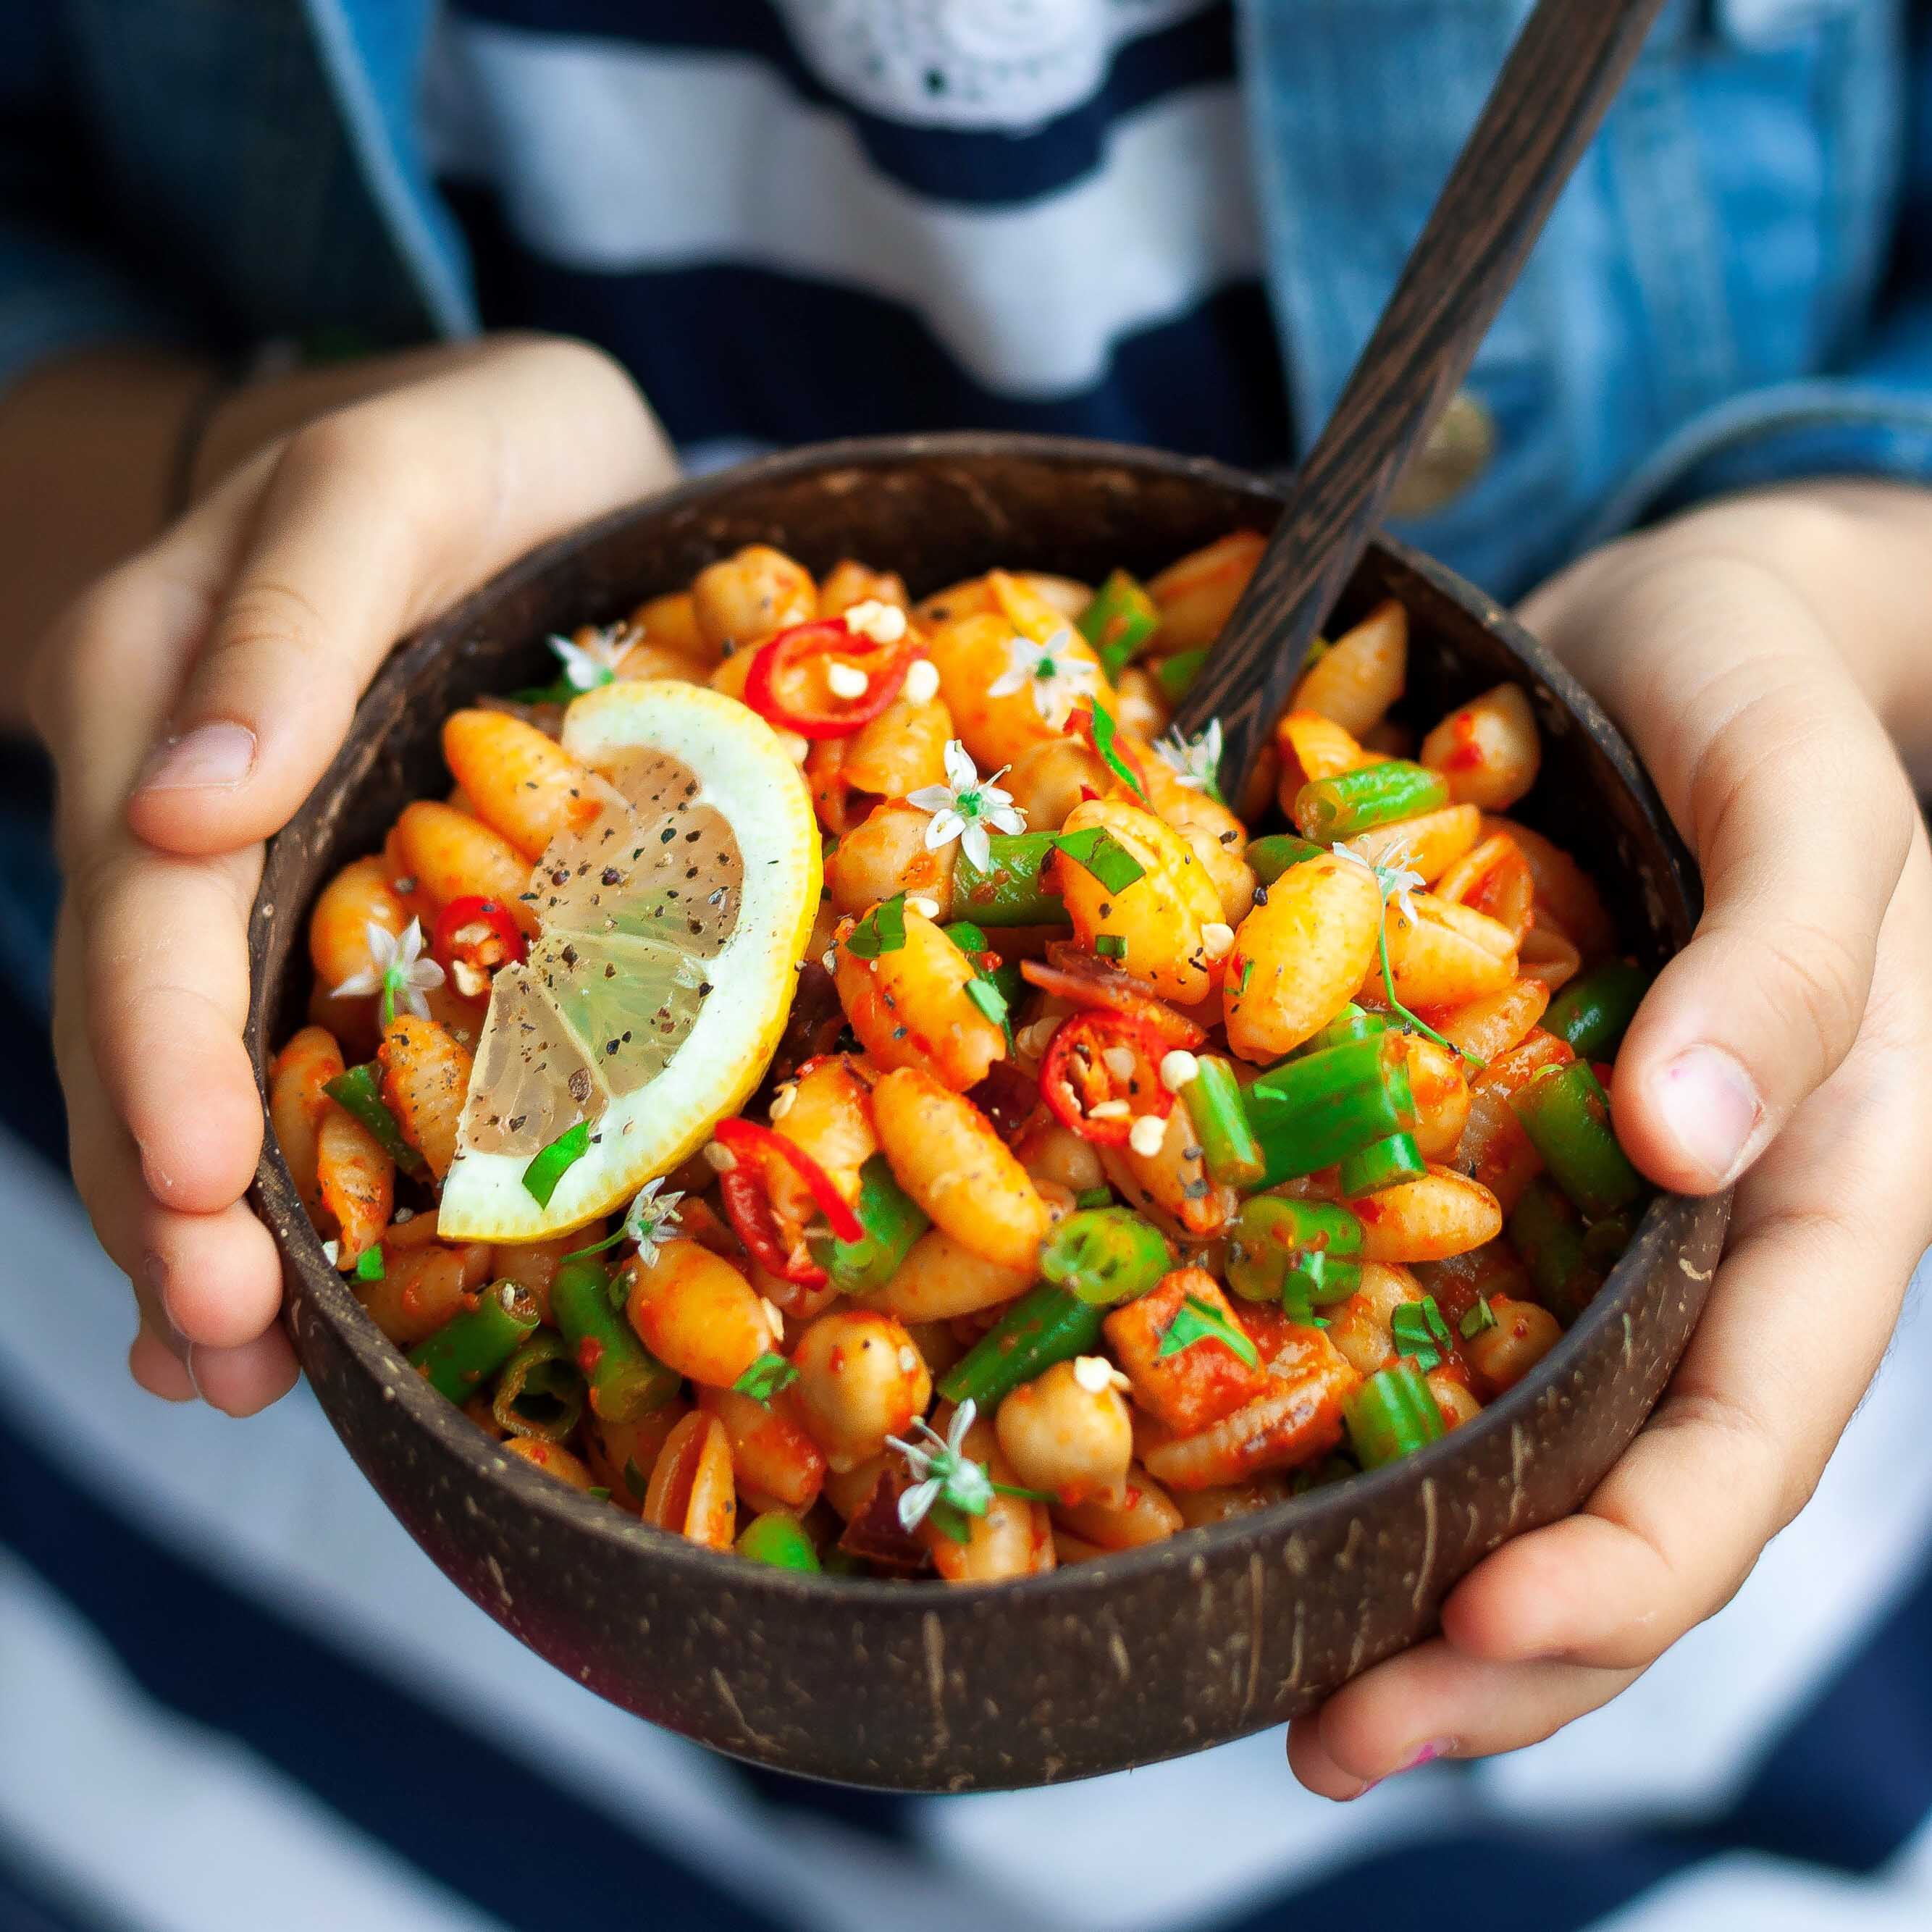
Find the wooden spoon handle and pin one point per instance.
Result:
(1560, 76)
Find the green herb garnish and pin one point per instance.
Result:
(1095, 850)
(765, 1377)
(882, 930)
(1419, 1330)
(550, 1164)
(1198, 1321)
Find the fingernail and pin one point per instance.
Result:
(1712, 1109)
(1428, 1753)
(215, 756)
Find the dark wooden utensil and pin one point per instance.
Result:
(1560, 79)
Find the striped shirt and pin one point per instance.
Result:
(822, 218)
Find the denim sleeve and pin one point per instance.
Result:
(61, 287)
(1870, 417)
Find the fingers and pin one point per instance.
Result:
(1790, 794)
(1433, 1702)
(370, 520)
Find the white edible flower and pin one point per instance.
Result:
(1195, 762)
(586, 666)
(1394, 879)
(965, 805)
(884, 623)
(1178, 1069)
(652, 1219)
(942, 1470)
(1053, 671)
(1148, 1135)
(922, 682)
(397, 970)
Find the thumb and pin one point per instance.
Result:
(1789, 794)
(368, 521)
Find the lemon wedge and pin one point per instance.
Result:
(658, 988)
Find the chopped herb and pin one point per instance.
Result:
(1094, 1197)
(1110, 946)
(949, 1519)
(369, 1267)
(1095, 850)
(882, 930)
(1199, 1320)
(597, 1490)
(1481, 1316)
(635, 1481)
(1419, 1330)
(550, 1164)
(990, 1001)
(1247, 973)
(765, 1377)
(1105, 734)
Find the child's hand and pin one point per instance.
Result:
(192, 698)
(1790, 1039)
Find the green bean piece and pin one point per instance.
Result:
(359, 1091)
(967, 937)
(1384, 1163)
(1370, 795)
(1566, 1115)
(1352, 1022)
(1548, 1238)
(626, 1380)
(1176, 674)
(1316, 1281)
(1219, 1111)
(540, 1391)
(1011, 890)
(1105, 1255)
(1120, 622)
(1273, 1238)
(1045, 1326)
(471, 1347)
(1279, 852)
(891, 1220)
(1593, 1013)
(1391, 1415)
(778, 1539)
(1309, 1114)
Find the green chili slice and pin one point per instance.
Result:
(1278, 1249)
(1105, 1255)
(540, 1391)
(472, 1346)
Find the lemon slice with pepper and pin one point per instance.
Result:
(656, 992)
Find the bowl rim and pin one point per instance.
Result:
(326, 1294)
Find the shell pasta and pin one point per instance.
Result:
(1100, 1156)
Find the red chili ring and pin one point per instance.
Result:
(885, 666)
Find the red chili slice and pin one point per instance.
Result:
(748, 1201)
(1075, 1078)
(500, 942)
(786, 685)
(1088, 982)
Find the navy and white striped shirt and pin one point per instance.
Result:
(234, 1697)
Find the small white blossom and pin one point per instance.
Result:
(397, 970)
(586, 666)
(965, 805)
(1395, 880)
(942, 1470)
(651, 1219)
(1195, 762)
(1055, 673)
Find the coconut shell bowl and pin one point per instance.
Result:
(1135, 1657)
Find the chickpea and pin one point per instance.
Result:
(1523, 1335)
(1070, 1431)
(861, 1378)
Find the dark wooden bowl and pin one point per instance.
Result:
(1118, 1662)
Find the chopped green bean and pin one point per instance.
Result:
(778, 1539)
(891, 1220)
(1216, 1105)
(1352, 1022)
(1309, 1114)
(1383, 1163)
(1548, 1236)
(1105, 1255)
(540, 1391)
(1594, 1013)
(1045, 1326)
(1279, 852)
(626, 1380)
(1176, 674)
(470, 1347)
(1278, 1247)
(1370, 795)
(1391, 1415)
(1566, 1115)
